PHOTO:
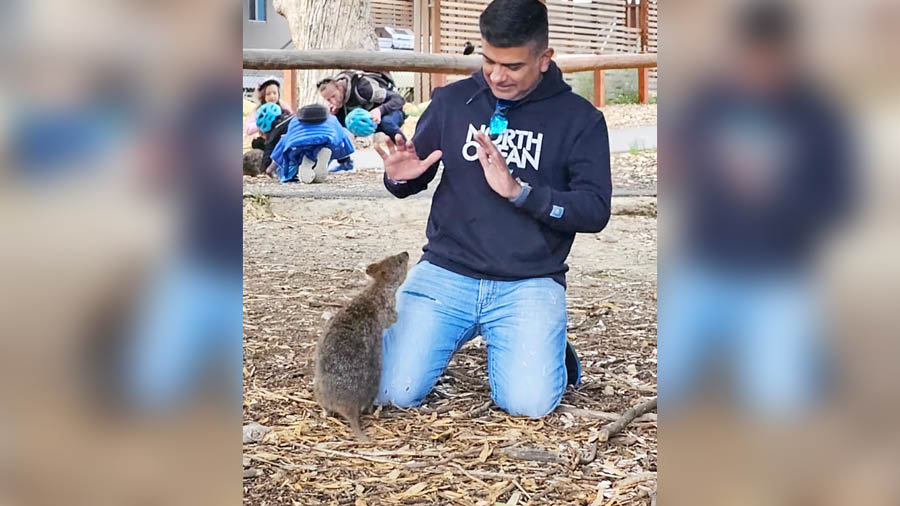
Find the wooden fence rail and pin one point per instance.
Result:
(283, 59)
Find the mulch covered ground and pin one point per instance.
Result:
(304, 257)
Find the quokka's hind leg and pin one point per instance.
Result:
(327, 409)
(353, 418)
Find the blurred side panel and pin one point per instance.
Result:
(120, 257)
(778, 243)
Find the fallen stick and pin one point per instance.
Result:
(533, 455)
(439, 410)
(633, 385)
(524, 493)
(473, 477)
(615, 427)
(398, 453)
(444, 460)
(488, 474)
(587, 413)
(627, 417)
(601, 415)
(457, 375)
(634, 480)
(475, 412)
(492, 498)
(590, 456)
(548, 487)
(271, 460)
(347, 454)
(448, 458)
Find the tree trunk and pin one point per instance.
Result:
(326, 24)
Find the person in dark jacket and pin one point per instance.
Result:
(270, 140)
(349, 90)
(503, 219)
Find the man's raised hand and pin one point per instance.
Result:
(401, 163)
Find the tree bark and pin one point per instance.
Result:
(325, 24)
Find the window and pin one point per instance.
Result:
(258, 10)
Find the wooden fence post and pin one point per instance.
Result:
(417, 47)
(644, 73)
(437, 80)
(599, 89)
(290, 89)
(425, 26)
(643, 82)
(644, 25)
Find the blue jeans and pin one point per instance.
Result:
(390, 124)
(523, 324)
(190, 322)
(763, 327)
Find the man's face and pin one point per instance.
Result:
(513, 72)
(334, 95)
(764, 67)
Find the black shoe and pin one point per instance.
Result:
(573, 366)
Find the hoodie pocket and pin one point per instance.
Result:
(528, 244)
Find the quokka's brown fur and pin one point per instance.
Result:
(348, 355)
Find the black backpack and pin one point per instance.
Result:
(382, 78)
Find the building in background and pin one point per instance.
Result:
(263, 29)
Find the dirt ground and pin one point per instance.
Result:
(305, 250)
(629, 115)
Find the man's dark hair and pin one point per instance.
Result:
(767, 23)
(514, 23)
(324, 82)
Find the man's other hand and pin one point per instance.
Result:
(401, 163)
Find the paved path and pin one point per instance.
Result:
(623, 139)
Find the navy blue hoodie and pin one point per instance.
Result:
(798, 140)
(556, 141)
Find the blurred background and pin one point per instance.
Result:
(120, 327)
(121, 279)
(778, 296)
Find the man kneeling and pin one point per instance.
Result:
(503, 219)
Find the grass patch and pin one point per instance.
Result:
(583, 85)
(626, 97)
(636, 147)
(258, 206)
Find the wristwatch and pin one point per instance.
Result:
(520, 199)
